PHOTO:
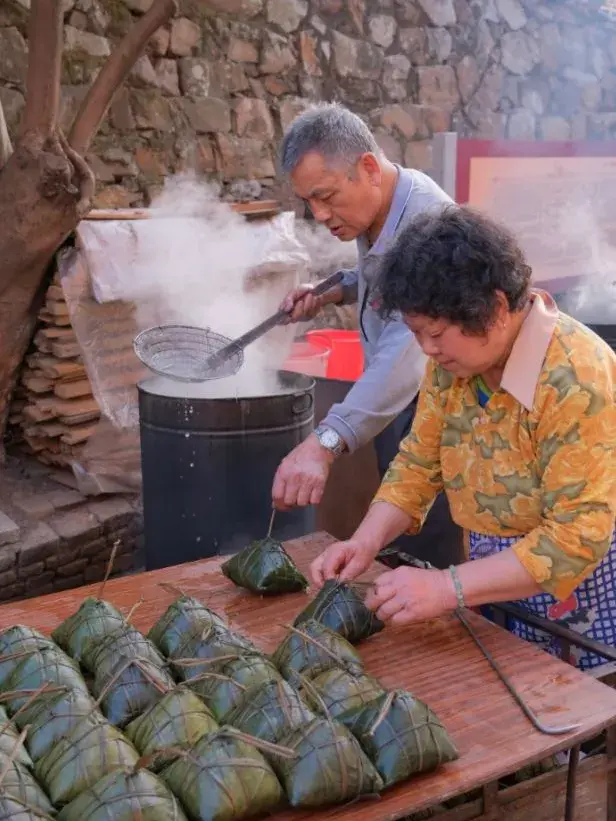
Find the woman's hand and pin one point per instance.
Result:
(409, 594)
(343, 560)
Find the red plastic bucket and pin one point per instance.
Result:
(309, 357)
(346, 360)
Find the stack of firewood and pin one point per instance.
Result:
(54, 412)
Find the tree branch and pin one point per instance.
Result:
(6, 148)
(114, 72)
(44, 66)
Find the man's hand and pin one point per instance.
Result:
(408, 595)
(301, 476)
(303, 305)
(343, 560)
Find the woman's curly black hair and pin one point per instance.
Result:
(449, 264)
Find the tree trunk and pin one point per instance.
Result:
(45, 185)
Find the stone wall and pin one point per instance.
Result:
(220, 83)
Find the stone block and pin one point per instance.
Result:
(94, 549)
(290, 108)
(13, 103)
(34, 569)
(185, 37)
(40, 584)
(68, 584)
(242, 51)
(396, 70)
(150, 110)
(244, 158)
(356, 58)
(195, 77)
(521, 125)
(7, 578)
(94, 573)
(76, 525)
(64, 498)
(72, 569)
(520, 52)
(120, 112)
(253, 119)
(277, 56)
(84, 41)
(8, 557)
(554, 128)
(308, 54)
(13, 56)
(208, 116)
(35, 507)
(437, 86)
(113, 512)
(9, 531)
(37, 544)
(286, 14)
(159, 42)
(167, 77)
(382, 29)
(439, 12)
(418, 154)
(142, 74)
(400, 118)
(13, 591)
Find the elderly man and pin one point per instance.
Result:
(338, 170)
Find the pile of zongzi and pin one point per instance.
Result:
(193, 722)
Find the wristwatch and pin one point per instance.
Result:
(330, 440)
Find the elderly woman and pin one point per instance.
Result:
(516, 421)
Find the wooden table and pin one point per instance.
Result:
(437, 661)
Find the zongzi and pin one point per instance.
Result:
(311, 649)
(329, 768)
(184, 616)
(129, 688)
(225, 688)
(125, 795)
(94, 619)
(12, 809)
(176, 722)
(51, 717)
(270, 711)
(100, 655)
(46, 665)
(19, 783)
(401, 736)
(9, 738)
(212, 646)
(337, 691)
(224, 779)
(13, 642)
(265, 567)
(340, 607)
(93, 749)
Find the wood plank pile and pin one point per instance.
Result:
(53, 412)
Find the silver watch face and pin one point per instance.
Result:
(329, 438)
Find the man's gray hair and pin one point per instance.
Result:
(328, 129)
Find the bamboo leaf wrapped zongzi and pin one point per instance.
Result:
(12, 809)
(223, 689)
(130, 688)
(401, 736)
(340, 607)
(185, 616)
(330, 767)
(265, 567)
(93, 749)
(312, 649)
(9, 738)
(95, 619)
(51, 717)
(13, 642)
(46, 665)
(100, 655)
(270, 711)
(125, 795)
(176, 722)
(224, 779)
(19, 783)
(337, 691)
(213, 647)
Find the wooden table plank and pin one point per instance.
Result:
(436, 661)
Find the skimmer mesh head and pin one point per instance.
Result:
(182, 353)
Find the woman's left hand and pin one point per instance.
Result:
(409, 594)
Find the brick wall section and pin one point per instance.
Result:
(70, 547)
(219, 84)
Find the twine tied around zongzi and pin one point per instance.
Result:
(338, 659)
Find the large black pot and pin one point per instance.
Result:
(208, 467)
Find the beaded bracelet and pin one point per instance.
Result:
(457, 587)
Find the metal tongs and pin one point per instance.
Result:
(528, 712)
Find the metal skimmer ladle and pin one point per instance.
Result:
(530, 714)
(189, 354)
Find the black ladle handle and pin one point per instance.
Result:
(242, 341)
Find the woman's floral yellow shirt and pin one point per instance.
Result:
(537, 461)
